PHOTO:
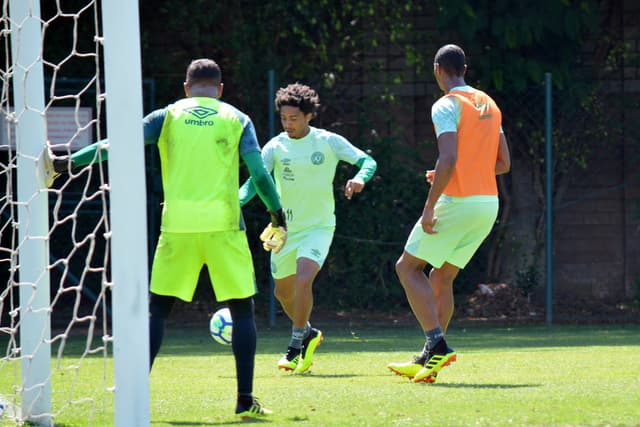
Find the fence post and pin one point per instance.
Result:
(549, 199)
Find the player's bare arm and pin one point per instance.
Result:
(447, 157)
(503, 162)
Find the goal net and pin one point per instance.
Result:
(73, 257)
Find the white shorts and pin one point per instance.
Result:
(311, 243)
(463, 224)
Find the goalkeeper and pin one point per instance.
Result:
(304, 160)
(200, 140)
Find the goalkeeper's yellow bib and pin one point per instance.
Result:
(199, 157)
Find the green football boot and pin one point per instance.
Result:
(289, 361)
(255, 410)
(437, 361)
(309, 346)
(409, 369)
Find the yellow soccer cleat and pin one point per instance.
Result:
(255, 410)
(290, 360)
(435, 363)
(408, 369)
(309, 346)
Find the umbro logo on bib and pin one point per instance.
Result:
(202, 116)
(201, 112)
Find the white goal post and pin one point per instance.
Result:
(34, 291)
(47, 373)
(123, 81)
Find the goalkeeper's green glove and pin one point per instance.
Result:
(274, 235)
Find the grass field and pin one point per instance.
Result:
(520, 376)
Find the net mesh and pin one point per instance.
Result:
(78, 317)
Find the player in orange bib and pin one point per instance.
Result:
(460, 210)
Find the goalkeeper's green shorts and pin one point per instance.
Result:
(463, 224)
(312, 243)
(179, 258)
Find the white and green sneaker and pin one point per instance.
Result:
(290, 360)
(255, 410)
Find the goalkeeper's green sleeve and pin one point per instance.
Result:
(87, 154)
(261, 182)
(247, 192)
(96, 151)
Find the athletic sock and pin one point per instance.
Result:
(244, 400)
(156, 332)
(307, 331)
(297, 336)
(440, 347)
(243, 342)
(432, 336)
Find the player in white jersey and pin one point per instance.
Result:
(303, 160)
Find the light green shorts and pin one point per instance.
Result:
(179, 258)
(312, 243)
(463, 224)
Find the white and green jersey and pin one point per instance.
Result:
(304, 170)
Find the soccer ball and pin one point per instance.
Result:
(221, 326)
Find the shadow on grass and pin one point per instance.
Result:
(305, 375)
(480, 386)
(227, 423)
(312, 375)
(216, 423)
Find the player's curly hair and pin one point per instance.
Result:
(298, 95)
(451, 59)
